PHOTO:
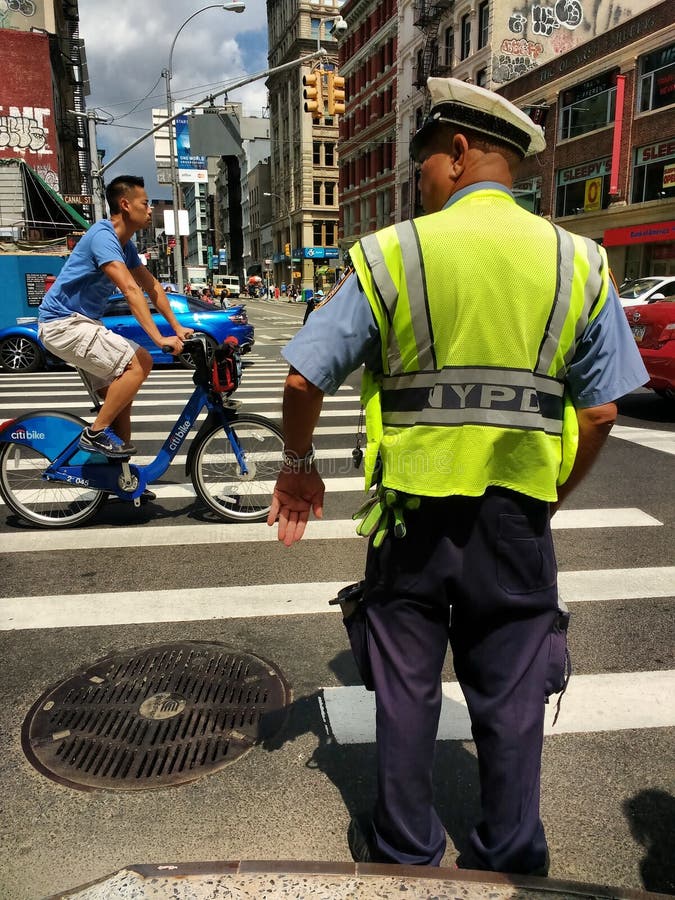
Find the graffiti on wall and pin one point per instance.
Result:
(7, 7)
(534, 33)
(25, 130)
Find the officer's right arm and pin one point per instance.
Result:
(595, 424)
(606, 366)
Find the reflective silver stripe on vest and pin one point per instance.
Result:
(563, 301)
(504, 398)
(372, 253)
(378, 269)
(413, 264)
(592, 291)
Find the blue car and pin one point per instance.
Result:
(22, 351)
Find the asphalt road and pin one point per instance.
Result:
(167, 572)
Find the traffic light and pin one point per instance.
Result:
(313, 93)
(287, 250)
(336, 94)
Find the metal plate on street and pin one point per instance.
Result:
(155, 717)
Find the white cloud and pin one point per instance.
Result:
(128, 45)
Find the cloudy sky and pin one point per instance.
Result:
(128, 43)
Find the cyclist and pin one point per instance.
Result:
(70, 312)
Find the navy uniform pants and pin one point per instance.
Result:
(481, 573)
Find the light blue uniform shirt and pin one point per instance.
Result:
(342, 335)
(81, 286)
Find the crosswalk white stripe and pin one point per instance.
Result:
(261, 386)
(248, 407)
(646, 437)
(322, 430)
(263, 600)
(605, 702)
(617, 584)
(185, 490)
(86, 402)
(244, 532)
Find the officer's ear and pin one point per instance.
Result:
(458, 153)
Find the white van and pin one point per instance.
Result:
(230, 283)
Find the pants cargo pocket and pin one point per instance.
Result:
(356, 625)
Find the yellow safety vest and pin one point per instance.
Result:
(480, 308)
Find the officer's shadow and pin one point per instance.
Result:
(351, 766)
(651, 816)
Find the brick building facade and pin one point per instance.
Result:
(609, 168)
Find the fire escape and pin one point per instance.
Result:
(428, 15)
(73, 49)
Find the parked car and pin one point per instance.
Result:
(22, 351)
(647, 290)
(653, 327)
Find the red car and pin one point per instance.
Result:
(653, 328)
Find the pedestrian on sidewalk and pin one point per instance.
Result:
(494, 348)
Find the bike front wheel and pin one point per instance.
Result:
(218, 477)
(51, 504)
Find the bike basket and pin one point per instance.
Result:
(226, 367)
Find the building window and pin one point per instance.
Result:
(481, 78)
(448, 46)
(330, 193)
(316, 29)
(528, 194)
(657, 79)
(483, 23)
(316, 153)
(588, 106)
(318, 234)
(329, 152)
(317, 193)
(654, 172)
(466, 36)
(583, 188)
(330, 234)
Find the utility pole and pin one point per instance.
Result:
(95, 170)
(175, 187)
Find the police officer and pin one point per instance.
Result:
(494, 347)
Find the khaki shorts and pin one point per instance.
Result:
(89, 346)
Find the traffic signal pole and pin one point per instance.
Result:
(319, 52)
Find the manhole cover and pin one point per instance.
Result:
(155, 716)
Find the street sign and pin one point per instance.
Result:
(82, 199)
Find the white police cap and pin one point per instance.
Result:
(456, 102)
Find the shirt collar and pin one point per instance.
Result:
(479, 186)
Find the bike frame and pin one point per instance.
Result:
(110, 475)
(73, 465)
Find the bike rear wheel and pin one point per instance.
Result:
(50, 504)
(216, 474)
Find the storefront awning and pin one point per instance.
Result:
(45, 214)
(639, 234)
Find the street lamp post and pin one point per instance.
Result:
(290, 230)
(175, 187)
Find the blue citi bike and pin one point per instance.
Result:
(233, 461)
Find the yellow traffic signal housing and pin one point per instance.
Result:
(287, 250)
(313, 93)
(336, 94)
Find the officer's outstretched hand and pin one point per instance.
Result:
(295, 495)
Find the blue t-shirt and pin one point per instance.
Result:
(82, 286)
(342, 335)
